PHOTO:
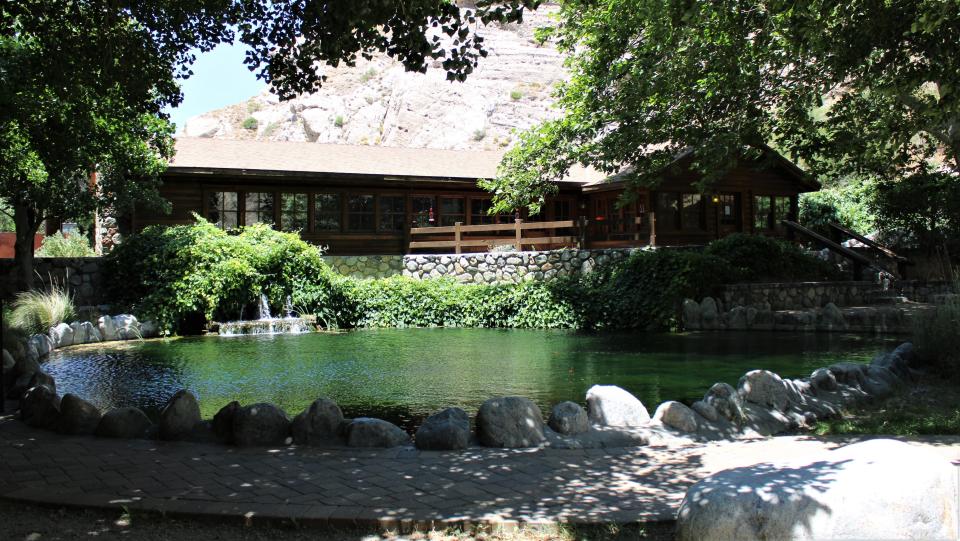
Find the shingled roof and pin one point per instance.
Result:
(195, 153)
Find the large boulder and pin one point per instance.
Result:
(91, 334)
(179, 416)
(108, 330)
(61, 335)
(879, 489)
(510, 421)
(831, 318)
(80, 333)
(764, 388)
(445, 430)
(125, 423)
(823, 380)
(222, 424)
(705, 410)
(852, 374)
(709, 314)
(610, 405)
(42, 378)
(368, 432)
(767, 421)
(77, 416)
(723, 398)
(40, 407)
(677, 416)
(128, 328)
(908, 353)
(569, 418)
(261, 424)
(319, 424)
(691, 314)
(42, 344)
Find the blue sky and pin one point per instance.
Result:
(219, 79)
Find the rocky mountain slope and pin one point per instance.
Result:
(377, 103)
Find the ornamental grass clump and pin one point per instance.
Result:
(37, 310)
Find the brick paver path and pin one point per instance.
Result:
(385, 488)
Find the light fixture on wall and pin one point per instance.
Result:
(715, 198)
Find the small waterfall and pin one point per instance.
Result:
(266, 323)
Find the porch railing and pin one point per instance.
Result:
(470, 237)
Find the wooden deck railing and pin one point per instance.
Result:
(466, 236)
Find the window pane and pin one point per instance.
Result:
(423, 208)
(326, 212)
(479, 212)
(729, 209)
(562, 210)
(761, 216)
(690, 219)
(667, 210)
(222, 209)
(360, 212)
(392, 213)
(259, 208)
(293, 211)
(781, 210)
(452, 210)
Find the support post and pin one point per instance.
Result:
(582, 232)
(456, 236)
(518, 234)
(3, 373)
(653, 228)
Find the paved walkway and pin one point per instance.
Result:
(383, 488)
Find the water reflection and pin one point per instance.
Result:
(404, 375)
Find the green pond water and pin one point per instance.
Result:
(403, 375)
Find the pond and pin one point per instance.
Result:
(403, 375)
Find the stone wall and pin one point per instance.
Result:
(508, 267)
(366, 266)
(82, 275)
(805, 295)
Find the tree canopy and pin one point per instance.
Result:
(859, 87)
(84, 83)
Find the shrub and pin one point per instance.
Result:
(36, 311)
(367, 75)
(60, 245)
(174, 274)
(250, 123)
(338, 121)
(478, 135)
(847, 205)
(755, 258)
(515, 95)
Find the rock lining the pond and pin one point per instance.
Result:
(879, 489)
(764, 404)
(446, 430)
(77, 416)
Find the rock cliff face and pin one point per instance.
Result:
(377, 103)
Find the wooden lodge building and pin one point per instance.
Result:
(380, 200)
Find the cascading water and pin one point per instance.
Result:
(266, 323)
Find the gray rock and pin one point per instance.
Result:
(77, 416)
(677, 416)
(908, 353)
(823, 379)
(43, 345)
(261, 424)
(125, 423)
(448, 429)
(128, 328)
(878, 489)
(705, 410)
(8, 362)
(180, 416)
(510, 421)
(852, 374)
(569, 418)
(28, 364)
(61, 335)
(368, 432)
(691, 314)
(609, 405)
(766, 421)
(107, 328)
(222, 424)
(40, 407)
(737, 318)
(764, 388)
(726, 401)
(831, 318)
(80, 335)
(709, 313)
(90, 332)
(318, 424)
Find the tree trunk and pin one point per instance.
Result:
(26, 226)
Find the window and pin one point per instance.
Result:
(452, 210)
(729, 208)
(781, 210)
(258, 208)
(479, 209)
(667, 209)
(326, 212)
(222, 209)
(562, 210)
(293, 211)
(761, 212)
(393, 213)
(691, 217)
(360, 213)
(423, 210)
